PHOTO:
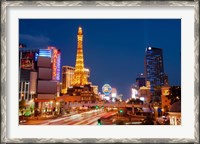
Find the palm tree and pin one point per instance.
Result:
(174, 94)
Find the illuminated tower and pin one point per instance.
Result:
(80, 77)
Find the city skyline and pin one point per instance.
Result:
(113, 50)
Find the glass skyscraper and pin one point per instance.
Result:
(154, 68)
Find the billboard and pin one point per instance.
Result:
(27, 60)
(107, 89)
(27, 64)
(134, 93)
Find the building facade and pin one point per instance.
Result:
(27, 65)
(165, 102)
(67, 77)
(140, 80)
(39, 72)
(144, 94)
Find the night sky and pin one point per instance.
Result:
(114, 49)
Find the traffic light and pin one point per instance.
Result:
(120, 111)
(97, 107)
(99, 122)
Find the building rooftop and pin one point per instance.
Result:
(175, 107)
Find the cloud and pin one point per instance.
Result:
(36, 41)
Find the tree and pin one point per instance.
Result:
(22, 106)
(174, 94)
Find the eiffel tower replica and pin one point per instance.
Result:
(80, 85)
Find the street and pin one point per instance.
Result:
(85, 118)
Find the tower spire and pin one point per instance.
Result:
(80, 78)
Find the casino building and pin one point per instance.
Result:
(39, 73)
(67, 77)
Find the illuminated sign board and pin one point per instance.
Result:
(107, 89)
(58, 66)
(165, 92)
(27, 60)
(55, 55)
(134, 93)
(45, 53)
(27, 64)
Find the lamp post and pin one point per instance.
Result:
(156, 106)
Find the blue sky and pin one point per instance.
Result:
(113, 49)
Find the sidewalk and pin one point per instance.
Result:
(41, 119)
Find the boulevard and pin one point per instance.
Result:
(85, 118)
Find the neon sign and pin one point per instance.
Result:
(55, 63)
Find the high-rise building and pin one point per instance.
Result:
(67, 77)
(154, 68)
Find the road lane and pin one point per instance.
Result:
(86, 118)
(83, 119)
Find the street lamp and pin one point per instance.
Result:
(156, 106)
